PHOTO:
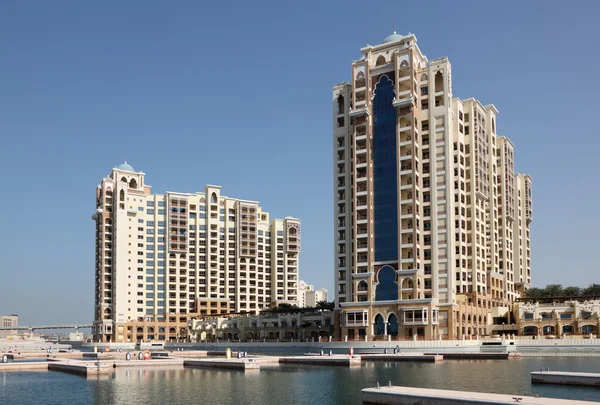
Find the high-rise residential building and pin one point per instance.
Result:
(431, 221)
(164, 258)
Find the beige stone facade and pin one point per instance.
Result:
(431, 221)
(162, 258)
(303, 325)
(557, 317)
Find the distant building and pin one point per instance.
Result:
(8, 321)
(298, 325)
(303, 290)
(314, 296)
(164, 258)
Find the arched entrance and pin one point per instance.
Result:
(568, 329)
(548, 330)
(379, 326)
(392, 328)
(587, 329)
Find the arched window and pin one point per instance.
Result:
(122, 195)
(380, 61)
(439, 82)
(292, 231)
(493, 126)
(407, 283)
(150, 329)
(161, 330)
(124, 179)
(379, 326)
(213, 198)
(362, 286)
(340, 103)
(387, 289)
(404, 64)
(109, 192)
(133, 184)
(424, 77)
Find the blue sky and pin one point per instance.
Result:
(238, 94)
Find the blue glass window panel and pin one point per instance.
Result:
(385, 172)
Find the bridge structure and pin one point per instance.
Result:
(31, 328)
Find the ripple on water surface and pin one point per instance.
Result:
(288, 384)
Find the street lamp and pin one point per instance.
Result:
(57, 331)
(502, 328)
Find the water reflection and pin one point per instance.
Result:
(287, 384)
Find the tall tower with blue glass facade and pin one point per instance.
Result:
(425, 202)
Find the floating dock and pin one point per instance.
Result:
(243, 364)
(81, 368)
(24, 366)
(334, 360)
(479, 356)
(565, 378)
(424, 396)
(401, 357)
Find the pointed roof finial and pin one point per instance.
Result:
(394, 24)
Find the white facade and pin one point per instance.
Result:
(314, 296)
(161, 258)
(303, 290)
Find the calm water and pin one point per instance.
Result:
(288, 384)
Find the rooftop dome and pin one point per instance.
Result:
(126, 166)
(392, 38)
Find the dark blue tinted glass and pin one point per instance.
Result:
(385, 172)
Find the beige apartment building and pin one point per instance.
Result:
(9, 321)
(162, 259)
(431, 221)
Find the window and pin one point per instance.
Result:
(150, 203)
(150, 223)
(161, 223)
(161, 211)
(150, 211)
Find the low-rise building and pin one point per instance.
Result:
(296, 325)
(557, 316)
(9, 321)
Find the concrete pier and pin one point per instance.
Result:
(565, 378)
(479, 356)
(79, 367)
(244, 364)
(335, 360)
(25, 366)
(423, 396)
(401, 357)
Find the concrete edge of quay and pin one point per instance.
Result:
(395, 395)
